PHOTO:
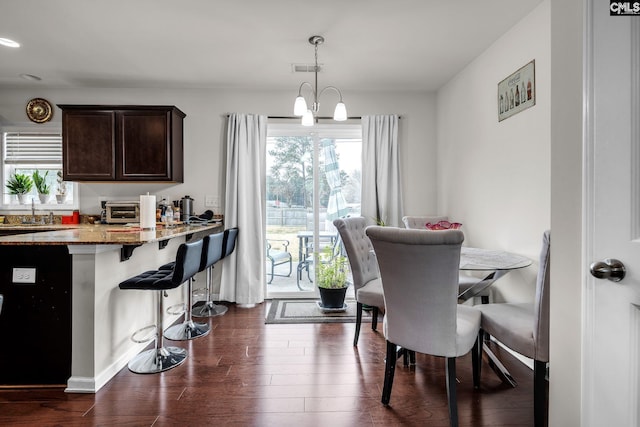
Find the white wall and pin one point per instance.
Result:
(494, 177)
(567, 271)
(204, 134)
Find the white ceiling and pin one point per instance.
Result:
(370, 44)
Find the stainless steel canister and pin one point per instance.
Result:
(186, 208)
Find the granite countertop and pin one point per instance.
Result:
(96, 234)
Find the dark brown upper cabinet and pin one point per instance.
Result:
(122, 143)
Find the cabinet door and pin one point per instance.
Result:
(88, 145)
(145, 141)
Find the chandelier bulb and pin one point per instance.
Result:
(300, 106)
(307, 118)
(340, 113)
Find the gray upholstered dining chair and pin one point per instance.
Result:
(419, 271)
(524, 328)
(364, 268)
(418, 222)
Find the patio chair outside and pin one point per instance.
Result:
(278, 254)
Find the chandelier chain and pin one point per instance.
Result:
(316, 58)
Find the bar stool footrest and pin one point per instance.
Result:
(200, 294)
(176, 309)
(135, 337)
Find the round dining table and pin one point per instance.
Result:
(495, 263)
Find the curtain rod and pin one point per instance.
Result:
(317, 118)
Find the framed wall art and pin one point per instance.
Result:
(517, 92)
(39, 110)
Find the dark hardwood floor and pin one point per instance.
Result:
(246, 373)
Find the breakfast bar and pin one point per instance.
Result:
(64, 321)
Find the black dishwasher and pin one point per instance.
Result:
(35, 319)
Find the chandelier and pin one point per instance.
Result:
(300, 106)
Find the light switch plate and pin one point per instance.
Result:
(24, 275)
(212, 201)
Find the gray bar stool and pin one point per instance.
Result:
(229, 243)
(161, 358)
(211, 253)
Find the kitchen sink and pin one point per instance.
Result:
(25, 225)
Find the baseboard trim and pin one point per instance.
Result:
(79, 384)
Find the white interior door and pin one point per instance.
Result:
(612, 309)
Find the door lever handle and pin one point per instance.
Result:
(610, 269)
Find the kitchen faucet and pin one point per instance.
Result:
(33, 215)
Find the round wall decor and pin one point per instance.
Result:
(39, 110)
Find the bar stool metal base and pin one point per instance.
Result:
(186, 331)
(208, 309)
(157, 360)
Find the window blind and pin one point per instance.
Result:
(32, 148)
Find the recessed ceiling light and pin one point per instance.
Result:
(9, 43)
(31, 77)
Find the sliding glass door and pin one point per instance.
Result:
(313, 177)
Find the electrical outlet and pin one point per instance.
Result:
(24, 275)
(211, 201)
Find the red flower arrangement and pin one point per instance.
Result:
(443, 225)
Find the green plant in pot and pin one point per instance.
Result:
(61, 195)
(42, 187)
(19, 184)
(332, 278)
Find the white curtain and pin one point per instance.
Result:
(243, 271)
(381, 187)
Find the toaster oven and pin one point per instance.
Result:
(122, 212)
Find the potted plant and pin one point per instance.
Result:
(41, 186)
(379, 221)
(19, 184)
(61, 195)
(332, 278)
